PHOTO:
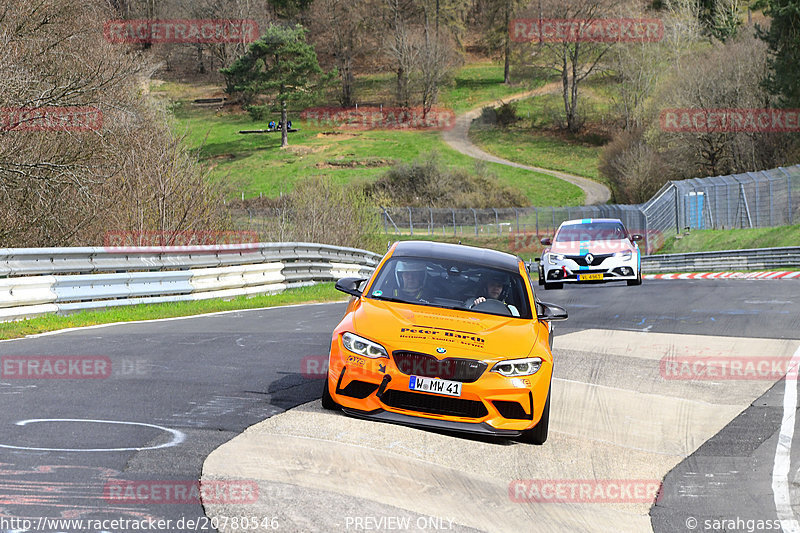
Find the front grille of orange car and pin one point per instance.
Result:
(433, 404)
(421, 364)
(358, 389)
(511, 410)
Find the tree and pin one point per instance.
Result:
(290, 9)
(398, 16)
(573, 60)
(434, 59)
(497, 18)
(783, 41)
(126, 172)
(722, 18)
(281, 66)
(341, 26)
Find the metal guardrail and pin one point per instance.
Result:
(726, 260)
(59, 280)
(41, 281)
(86, 260)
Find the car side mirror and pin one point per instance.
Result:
(546, 241)
(350, 286)
(551, 312)
(636, 237)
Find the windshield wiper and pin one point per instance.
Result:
(391, 299)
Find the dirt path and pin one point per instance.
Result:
(458, 139)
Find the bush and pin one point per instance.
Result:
(259, 113)
(428, 182)
(317, 210)
(507, 114)
(635, 172)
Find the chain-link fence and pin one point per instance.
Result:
(749, 200)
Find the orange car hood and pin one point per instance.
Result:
(461, 333)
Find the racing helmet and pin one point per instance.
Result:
(406, 265)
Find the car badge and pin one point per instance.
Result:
(589, 259)
(441, 350)
(382, 368)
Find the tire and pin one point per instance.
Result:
(553, 286)
(538, 433)
(541, 276)
(637, 281)
(327, 401)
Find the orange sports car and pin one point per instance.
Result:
(445, 336)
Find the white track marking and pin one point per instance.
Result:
(783, 451)
(177, 436)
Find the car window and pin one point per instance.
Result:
(594, 231)
(451, 285)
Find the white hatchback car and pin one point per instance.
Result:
(591, 250)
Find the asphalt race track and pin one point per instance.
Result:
(179, 389)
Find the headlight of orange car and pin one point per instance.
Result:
(518, 367)
(365, 347)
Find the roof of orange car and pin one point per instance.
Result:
(457, 252)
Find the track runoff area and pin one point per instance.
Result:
(670, 412)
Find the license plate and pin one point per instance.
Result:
(589, 277)
(435, 385)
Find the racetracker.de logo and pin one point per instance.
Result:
(181, 31)
(200, 241)
(180, 492)
(610, 30)
(55, 367)
(381, 118)
(584, 490)
(314, 367)
(50, 118)
(725, 368)
(730, 120)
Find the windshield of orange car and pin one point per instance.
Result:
(452, 285)
(594, 231)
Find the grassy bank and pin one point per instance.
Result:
(736, 239)
(323, 292)
(254, 164)
(536, 139)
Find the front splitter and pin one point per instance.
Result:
(481, 428)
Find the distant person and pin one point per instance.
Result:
(410, 276)
(289, 124)
(271, 125)
(495, 287)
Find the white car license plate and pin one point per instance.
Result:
(437, 386)
(589, 277)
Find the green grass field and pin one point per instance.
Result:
(254, 164)
(539, 150)
(323, 292)
(735, 239)
(471, 85)
(536, 140)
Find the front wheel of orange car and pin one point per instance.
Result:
(538, 433)
(327, 401)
